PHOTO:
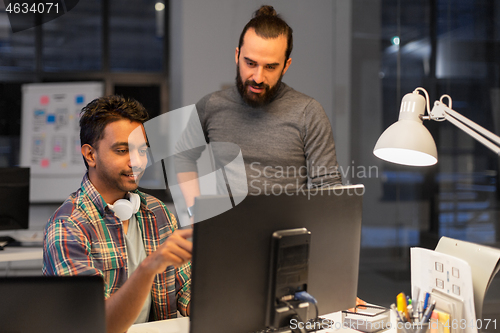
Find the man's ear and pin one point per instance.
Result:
(89, 155)
(236, 55)
(287, 64)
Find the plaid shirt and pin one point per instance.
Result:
(85, 237)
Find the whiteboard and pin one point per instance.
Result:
(50, 136)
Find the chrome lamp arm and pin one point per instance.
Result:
(441, 111)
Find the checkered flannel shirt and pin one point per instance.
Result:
(85, 237)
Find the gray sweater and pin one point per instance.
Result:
(286, 144)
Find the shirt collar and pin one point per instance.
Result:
(89, 189)
(96, 198)
(142, 196)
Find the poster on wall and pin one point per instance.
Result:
(50, 136)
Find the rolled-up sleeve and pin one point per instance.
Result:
(183, 287)
(66, 250)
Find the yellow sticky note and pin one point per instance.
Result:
(444, 321)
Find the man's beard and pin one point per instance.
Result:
(113, 178)
(252, 99)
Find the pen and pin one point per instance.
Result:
(398, 317)
(427, 317)
(416, 294)
(402, 306)
(410, 310)
(426, 301)
(428, 312)
(420, 312)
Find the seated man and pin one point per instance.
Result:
(142, 256)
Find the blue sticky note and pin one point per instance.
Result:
(51, 119)
(79, 99)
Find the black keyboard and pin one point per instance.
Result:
(314, 325)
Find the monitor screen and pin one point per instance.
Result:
(52, 304)
(14, 198)
(232, 251)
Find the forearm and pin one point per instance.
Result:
(123, 307)
(189, 185)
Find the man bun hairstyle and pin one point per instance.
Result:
(268, 24)
(265, 10)
(102, 111)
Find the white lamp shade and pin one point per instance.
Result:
(407, 142)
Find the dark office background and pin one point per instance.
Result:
(447, 46)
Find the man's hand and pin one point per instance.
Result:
(176, 251)
(359, 301)
(190, 188)
(125, 305)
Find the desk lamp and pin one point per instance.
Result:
(408, 142)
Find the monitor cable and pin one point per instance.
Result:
(297, 317)
(306, 297)
(303, 296)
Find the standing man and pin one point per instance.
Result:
(285, 136)
(109, 228)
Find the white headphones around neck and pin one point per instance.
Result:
(125, 208)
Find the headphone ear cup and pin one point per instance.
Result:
(135, 200)
(123, 209)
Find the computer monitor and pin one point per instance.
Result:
(14, 198)
(52, 304)
(231, 255)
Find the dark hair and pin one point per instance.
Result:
(268, 24)
(104, 110)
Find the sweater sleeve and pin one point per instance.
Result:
(193, 139)
(319, 147)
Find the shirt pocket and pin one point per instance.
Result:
(107, 256)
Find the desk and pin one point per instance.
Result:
(20, 253)
(181, 325)
(10, 254)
